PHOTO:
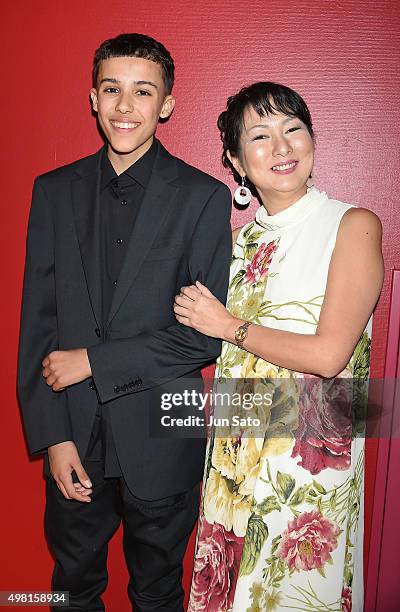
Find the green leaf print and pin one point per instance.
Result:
(257, 533)
(359, 364)
(237, 278)
(275, 543)
(247, 231)
(348, 576)
(285, 484)
(319, 487)
(269, 504)
(254, 236)
(299, 495)
(332, 500)
(274, 571)
(250, 250)
(309, 601)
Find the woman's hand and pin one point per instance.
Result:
(197, 307)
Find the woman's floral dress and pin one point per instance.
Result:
(281, 523)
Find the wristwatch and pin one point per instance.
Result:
(241, 333)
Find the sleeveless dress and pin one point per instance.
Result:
(281, 521)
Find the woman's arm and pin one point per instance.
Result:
(354, 282)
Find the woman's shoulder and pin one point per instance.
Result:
(347, 215)
(360, 220)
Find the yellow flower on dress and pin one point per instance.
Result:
(255, 367)
(283, 414)
(226, 507)
(248, 461)
(264, 601)
(234, 304)
(256, 403)
(284, 420)
(256, 590)
(224, 456)
(238, 460)
(272, 600)
(251, 305)
(236, 311)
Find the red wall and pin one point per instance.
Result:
(342, 56)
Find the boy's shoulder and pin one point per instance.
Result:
(192, 175)
(67, 171)
(186, 173)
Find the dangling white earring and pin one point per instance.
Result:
(242, 194)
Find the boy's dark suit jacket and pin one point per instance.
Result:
(181, 234)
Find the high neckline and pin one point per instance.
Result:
(294, 213)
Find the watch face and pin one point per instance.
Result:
(241, 334)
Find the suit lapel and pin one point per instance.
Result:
(158, 198)
(86, 206)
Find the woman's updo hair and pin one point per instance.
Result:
(267, 99)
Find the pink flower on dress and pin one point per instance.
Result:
(308, 541)
(346, 599)
(259, 265)
(216, 569)
(323, 438)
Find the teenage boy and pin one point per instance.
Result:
(111, 239)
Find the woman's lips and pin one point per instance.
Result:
(286, 167)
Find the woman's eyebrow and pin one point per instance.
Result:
(267, 125)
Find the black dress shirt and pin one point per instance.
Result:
(120, 200)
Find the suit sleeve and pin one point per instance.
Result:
(45, 413)
(129, 365)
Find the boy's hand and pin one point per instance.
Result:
(64, 368)
(64, 459)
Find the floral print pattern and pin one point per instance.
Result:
(323, 439)
(282, 506)
(216, 568)
(308, 541)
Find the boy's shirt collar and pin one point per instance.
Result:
(139, 171)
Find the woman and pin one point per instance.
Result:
(281, 521)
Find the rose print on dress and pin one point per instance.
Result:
(323, 439)
(346, 599)
(216, 568)
(308, 541)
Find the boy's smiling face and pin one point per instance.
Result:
(130, 98)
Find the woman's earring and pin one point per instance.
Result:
(242, 194)
(310, 182)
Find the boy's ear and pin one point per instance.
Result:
(93, 97)
(167, 107)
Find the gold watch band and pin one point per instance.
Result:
(241, 333)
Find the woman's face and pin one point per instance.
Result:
(276, 154)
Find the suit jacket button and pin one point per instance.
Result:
(117, 389)
(91, 386)
(124, 387)
(139, 381)
(97, 332)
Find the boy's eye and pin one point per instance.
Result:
(293, 129)
(111, 90)
(261, 137)
(143, 92)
